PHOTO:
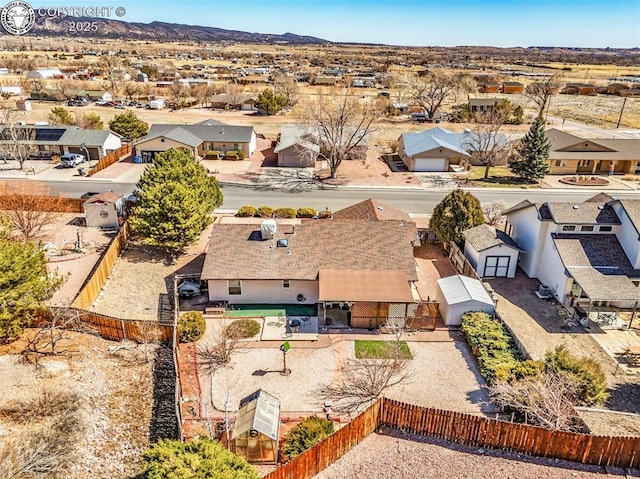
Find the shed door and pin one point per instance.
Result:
(496, 266)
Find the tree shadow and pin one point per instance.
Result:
(625, 396)
(164, 422)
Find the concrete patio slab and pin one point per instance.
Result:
(283, 328)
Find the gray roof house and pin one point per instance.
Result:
(208, 135)
(58, 139)
(297, 147)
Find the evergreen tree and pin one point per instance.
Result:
(269, 102)
(177, 198)
(532, 154)
(60, 116)
(198, 459)
(458, 211)
(128, 125)
(24, 284)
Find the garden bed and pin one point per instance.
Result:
(584, 181)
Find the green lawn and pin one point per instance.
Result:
(499, 177)
(257, 310)
(381, 349)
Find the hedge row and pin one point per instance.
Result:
(269, 212)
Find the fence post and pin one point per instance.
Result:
(124, 330)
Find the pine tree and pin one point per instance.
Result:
(532, 154)
(128, 125)
(177, 198)
(458, 211)
(269, 102)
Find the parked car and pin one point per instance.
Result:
(189, 289)
(119, 106)
(69, 160)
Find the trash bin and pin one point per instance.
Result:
(81, 171)
(137, 159)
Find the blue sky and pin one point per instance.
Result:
(572, 23)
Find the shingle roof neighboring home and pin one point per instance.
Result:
(565, 146)
(371, 210)
(293, 135)
(208, 130)
(483, 237)
(62, 135)
(237, 251)
(587, 212)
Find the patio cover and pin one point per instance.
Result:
(364, 285)
(601, 287)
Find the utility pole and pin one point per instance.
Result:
(621, 110)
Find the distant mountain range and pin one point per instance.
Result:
(160, 31)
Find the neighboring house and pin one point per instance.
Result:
(459, 294)
(91, 95)
(585, 252)
(491, 252)
(208, 135)
(437, 149)
(482, 104)
(371, 210)
(512, 88)
(488, 87)
(325, 80)
(45, 74)
(23, 105)
(579, 89)
(226, 102)
(297, 147)
(66, 139)
(359, 264)
(571, 154)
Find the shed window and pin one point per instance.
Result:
(235, 286)
(568, 228)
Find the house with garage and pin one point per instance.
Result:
(198, 139)
(491, 252)
(573, 155)
(582, 252)
(297, 147)
(50, 140)
(439, 149)
(357, 272)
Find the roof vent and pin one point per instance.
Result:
(600, 207)
(380, 208)
(268, 229)
(575, 207)
(282, 243)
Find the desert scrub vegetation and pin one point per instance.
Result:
(243, 328)
(50, 426)
(307, 434)
(191, 327)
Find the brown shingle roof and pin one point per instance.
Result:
(588, 212)
(570, 147)
(371, 210)
(316, 244)
(483, 237)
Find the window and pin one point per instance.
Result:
(235, 286)
(568, 228)
(584, 163)
(606, 229)
(561, 163)
(586, 228)
(285, 283)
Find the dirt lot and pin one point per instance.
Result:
(116, 394)
(393, 455)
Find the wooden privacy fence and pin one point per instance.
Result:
(461, 263)
(113, 157)
(98, 276)
(468, 429)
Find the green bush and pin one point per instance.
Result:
(492, 345)
(243, 328)
(191, 327)
(265, 212)
(308, 433)
(213, 154)
(285, 213)
(306, 213)
(246, 212)
(585, 373)
(200, 458)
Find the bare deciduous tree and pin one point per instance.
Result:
(287, 87)
(18, 140)
(493, 212)
(216, 353)
(29, 207)
(547, 400)
(131, 89)
(540, 92)
(234, 94)
(341, 123)
(484, 142)
(430, 91)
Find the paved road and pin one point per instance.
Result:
(563, 124)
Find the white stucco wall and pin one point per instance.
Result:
(497, 251)
(112, 143)
(452, 314)
(526, 231)
(265, 292)
(471, 254)
(551, 271)
(627, 236)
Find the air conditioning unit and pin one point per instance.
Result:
(543, 291)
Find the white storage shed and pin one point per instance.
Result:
(491, 252)
(459, 294)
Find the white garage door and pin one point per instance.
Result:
(431, 164)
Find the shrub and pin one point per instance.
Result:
(492, 345)
(192, 460)
(308, 433)
(213, 154)
(191, 327)
(246, 212)
(324, 214)
(285, 213)
(243, 328)
(585, 373)
(265, 212)
(306, 213)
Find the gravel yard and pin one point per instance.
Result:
(394, 455)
